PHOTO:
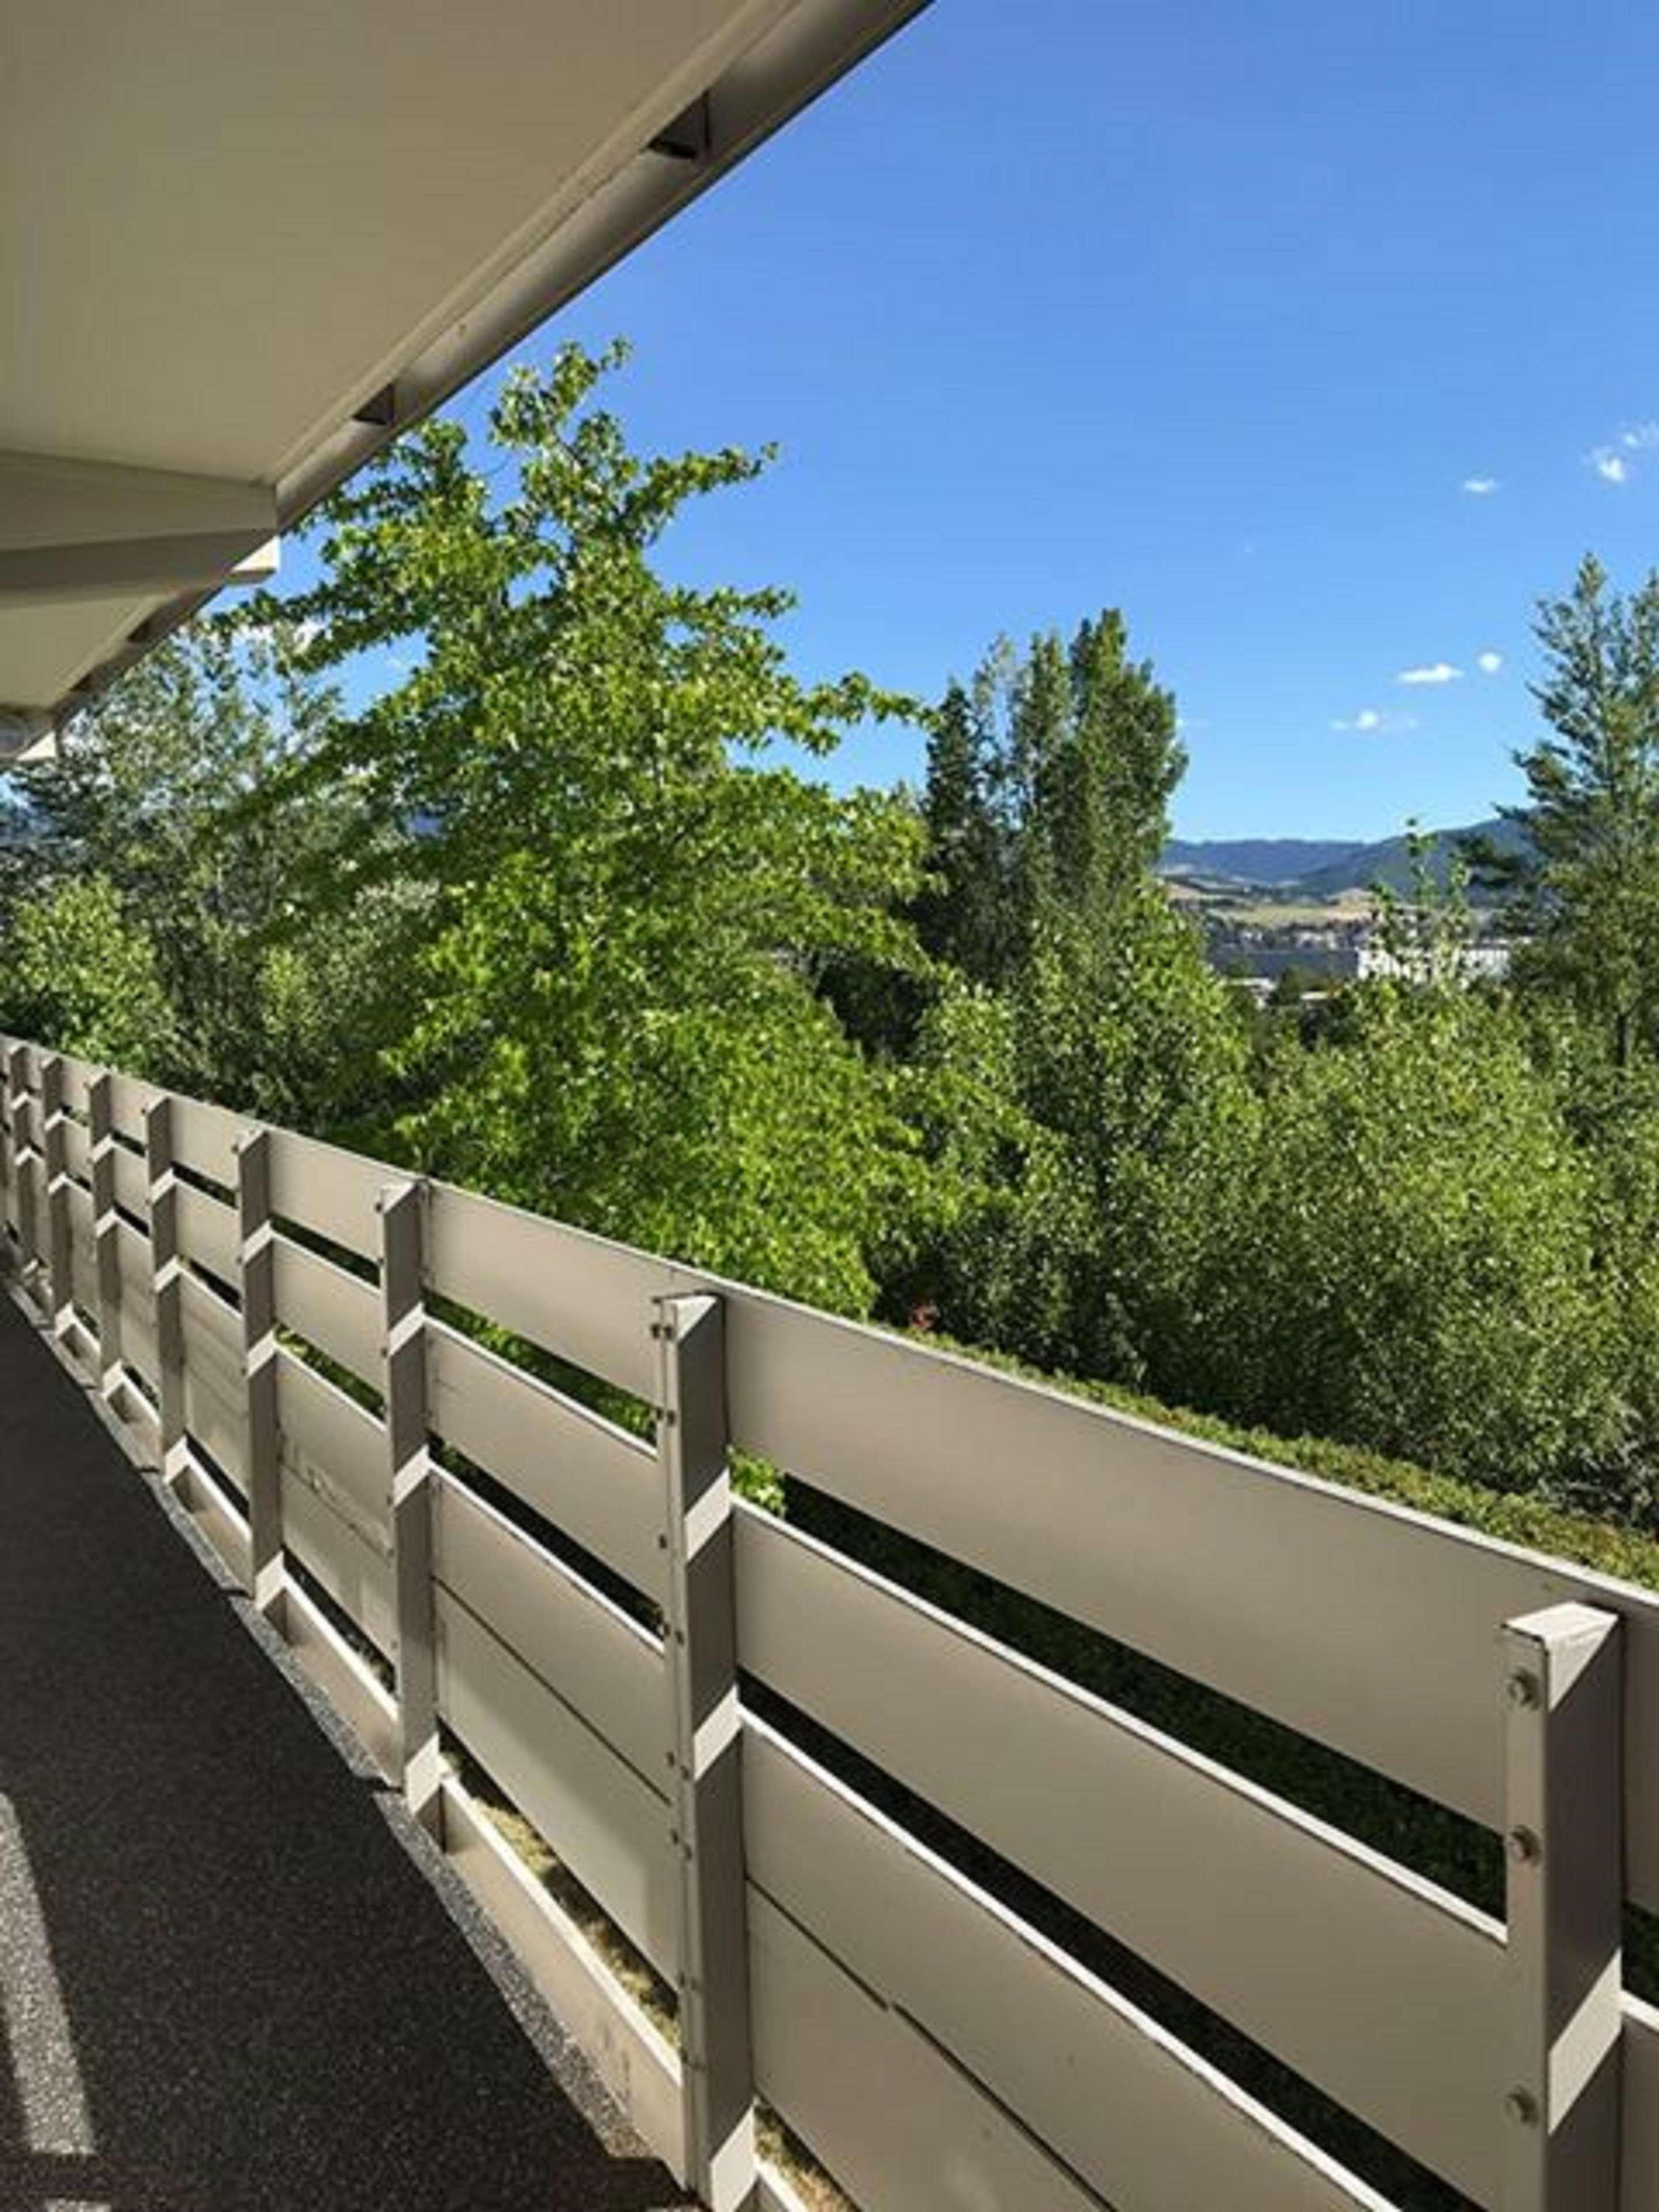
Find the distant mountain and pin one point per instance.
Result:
(1254, 860)
(1313, 868)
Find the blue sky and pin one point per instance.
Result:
(1218, 314)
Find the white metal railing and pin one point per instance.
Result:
(932, 2048)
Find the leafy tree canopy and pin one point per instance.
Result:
(1585, 884)
(610, 1013)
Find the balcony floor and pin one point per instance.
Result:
(232, 1972)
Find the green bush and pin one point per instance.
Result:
(83, 975)
(1408, 1258)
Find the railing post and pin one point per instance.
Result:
(105, 1231)
(256, 1270)
(1563, 1820)
(706, 1753)
(59, 1278)
(167, 1271)
(402, 1209)
(22, 1160)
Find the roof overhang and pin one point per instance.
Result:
(241, 246)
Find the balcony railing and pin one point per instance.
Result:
(212, 1279)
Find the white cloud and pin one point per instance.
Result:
(1369, 723)
(1489, 662)
(1640, 437)
(1433, 671)
(1480, 487)
(1611, 466)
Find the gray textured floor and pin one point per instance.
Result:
(231, 1974)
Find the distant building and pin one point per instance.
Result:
(1473, 964)
(1329, 963)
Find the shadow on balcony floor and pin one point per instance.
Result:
(227, 1977)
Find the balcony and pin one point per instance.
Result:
(366, 1544)
(711, 1716)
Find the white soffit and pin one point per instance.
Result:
(241, 244)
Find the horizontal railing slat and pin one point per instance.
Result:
(337, 1312)
(213, 1341)
(342, 1675)
(335, 1444)
(78, 1078)
(1130, 1827)
(582, 1647)
(131, 1183)
(1140, 2118)
(900, 2127)
(218, 1427)
(204, 1138)
(587, 1300)
(1363, 1624)
(215, 1400)
(83, 1258)
(215, 1515)
(356, 1575)
(207, 1233)
(604, 1822)
(585, 1474)
(77, 1151)
(329, 1192)
(138, 1347)
(129, 1098)
(133, 1249)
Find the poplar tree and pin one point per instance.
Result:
(1584, 883)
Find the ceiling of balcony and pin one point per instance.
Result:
(240, 243)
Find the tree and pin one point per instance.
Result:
(1077, 1119)
(148, 799)
(1409, 1258)
(81, 974)
(613, 1013)
(1049, 781)
(1585, 884)
(1129, 760)
(962, 915)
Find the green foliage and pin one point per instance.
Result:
(81, 972)
(1049, 781)
(1426, 932)
(1078, 1117)
(1130, 1056)
(1408, 1259)
(962, 915)
(611, 1012)
(1586, 885)
(150, 798)
(1403, 1225)
(546, 915)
